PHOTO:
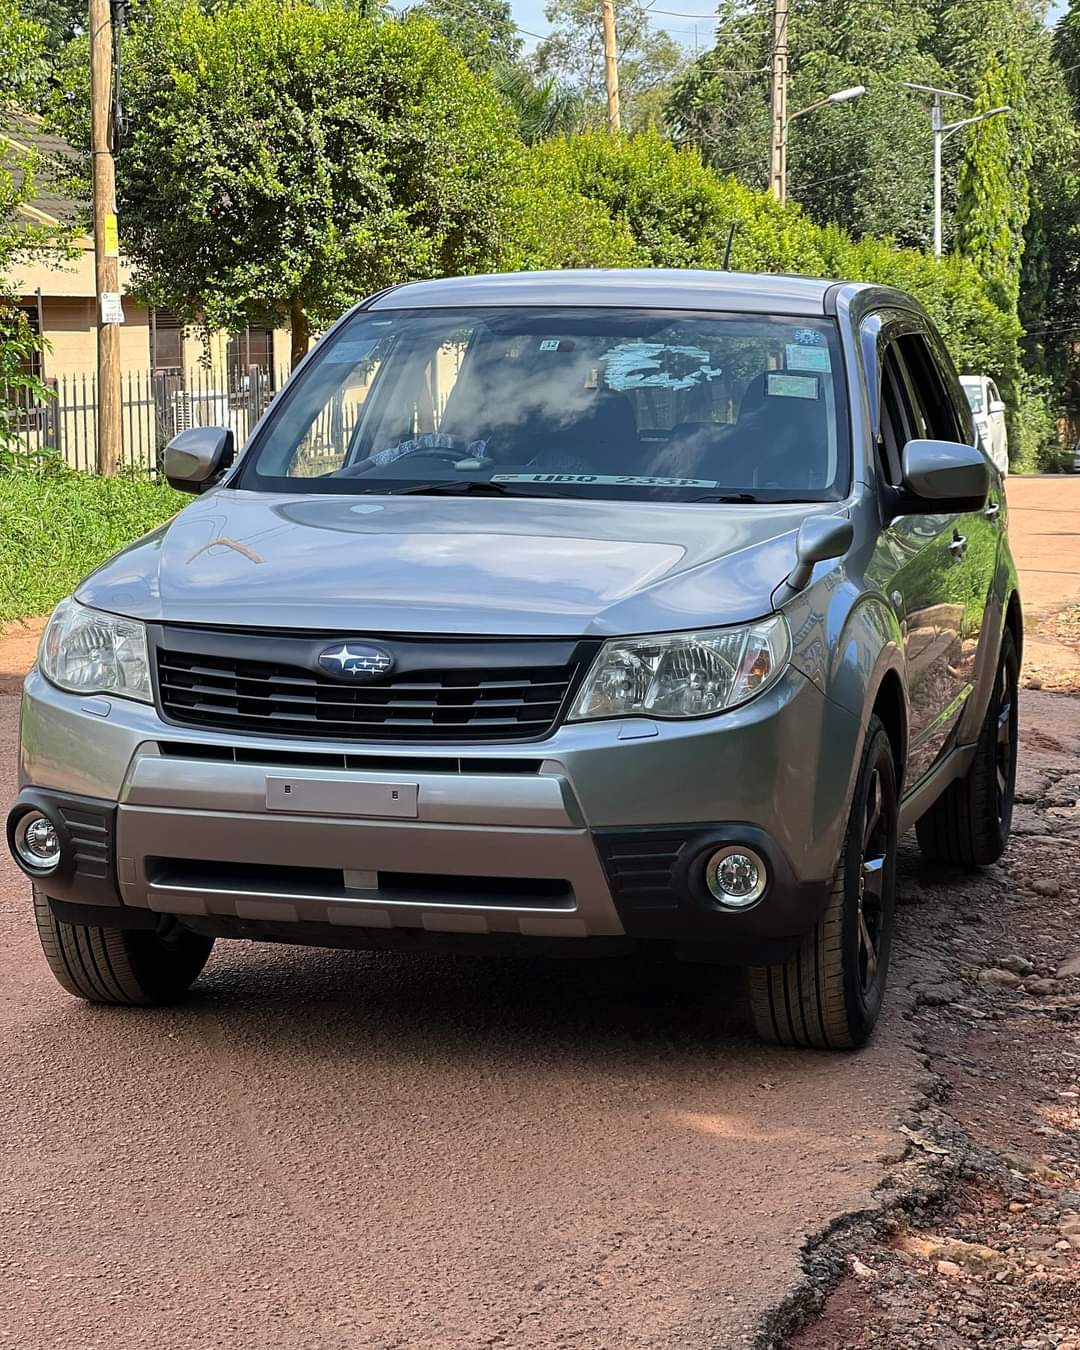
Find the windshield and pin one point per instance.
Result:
(563, 402)
(974, 395)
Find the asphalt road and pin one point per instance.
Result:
(324, 1150)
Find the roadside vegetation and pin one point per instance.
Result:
(57, 526)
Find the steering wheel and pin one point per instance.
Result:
(442, 454)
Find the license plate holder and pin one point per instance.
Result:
(341, 796)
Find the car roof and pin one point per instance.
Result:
(732, 292)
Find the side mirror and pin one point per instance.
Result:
(819, 539)
(996, 405)
(943, 476)
(196, 459)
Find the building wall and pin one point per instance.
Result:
(70, 331)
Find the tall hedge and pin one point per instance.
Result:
(666, 208)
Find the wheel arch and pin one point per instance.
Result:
(1014, 623)
(890, 707)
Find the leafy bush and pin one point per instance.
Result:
(676, 212)
(57, 526)
(1034, 442)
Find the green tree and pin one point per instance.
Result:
(61, 20)
(863, 163)
(574, 53)
(993, 196)
(541, 108)
(284, 159)
(483, 31)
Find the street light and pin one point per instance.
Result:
(841, 96)
(942, 132)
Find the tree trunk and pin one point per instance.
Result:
(301, 332)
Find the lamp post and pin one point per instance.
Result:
(942, 131)
(779, 183)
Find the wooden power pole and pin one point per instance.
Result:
(778, 136)
(106, 243)
(611, 67)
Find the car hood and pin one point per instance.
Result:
(462, 565)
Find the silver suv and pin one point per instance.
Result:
(581, 611)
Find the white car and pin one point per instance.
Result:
(988, 407)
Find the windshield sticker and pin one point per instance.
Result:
(657, 365)
(604, 480)
(807, 358)
(809, 337)
(557, 344)
(350, 351)
(792, 386)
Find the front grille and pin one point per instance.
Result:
(224, 686)
(319, 759)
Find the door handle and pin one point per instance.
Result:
(958, 547)
(992, 511)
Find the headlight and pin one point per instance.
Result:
(684, 674)
(88, 652)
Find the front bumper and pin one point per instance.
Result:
(527, 840)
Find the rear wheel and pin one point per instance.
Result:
(828, 996)
(968, 826)
(133, 967)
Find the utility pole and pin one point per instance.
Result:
(778, 138)
(942, 131)
(106, 242)
(611, 67)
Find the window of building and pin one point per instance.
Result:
(166, 343)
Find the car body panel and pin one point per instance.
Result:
(452, 565)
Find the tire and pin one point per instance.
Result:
(130, 967)
(829, 994)
(968, 826)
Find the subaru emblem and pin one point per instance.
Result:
(356, 661)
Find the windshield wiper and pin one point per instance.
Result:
(450, 487)
(727, 497)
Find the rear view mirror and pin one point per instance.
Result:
(943, 476)
(196, 459)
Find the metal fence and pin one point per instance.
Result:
(155, 405)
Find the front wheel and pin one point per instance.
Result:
(829, 994)
(132, 967)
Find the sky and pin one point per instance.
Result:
(691, 25)
(690, 15)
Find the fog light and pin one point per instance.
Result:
(37, 842)
(736, 876)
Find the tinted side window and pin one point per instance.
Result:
(935, 416)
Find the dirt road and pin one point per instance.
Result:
(324, 1150)
(1044, 530)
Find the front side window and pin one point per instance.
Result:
(570, 402)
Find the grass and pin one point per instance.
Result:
(56, 527)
